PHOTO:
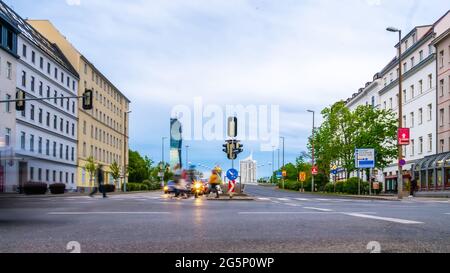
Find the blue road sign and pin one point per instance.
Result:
(279, 175)
(232, 174)
(365, 158)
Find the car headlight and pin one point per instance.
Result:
(197, 186)
(166, 188)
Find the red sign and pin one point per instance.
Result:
(403, 136)
(232, 186)
(315, 170)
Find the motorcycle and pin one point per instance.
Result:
(198, 188)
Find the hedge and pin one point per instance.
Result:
(57, 188)
(144, 186)
(35, 188)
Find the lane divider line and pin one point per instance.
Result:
(319, 209)
(394, 220)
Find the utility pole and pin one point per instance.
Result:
(312, 144)
(187, 157)
(162, 161)
(273, 164)
(125, 150)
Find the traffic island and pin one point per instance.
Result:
(226, 197)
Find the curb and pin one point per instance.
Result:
(66, 195)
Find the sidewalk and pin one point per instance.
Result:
(68, 194)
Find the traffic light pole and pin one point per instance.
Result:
(35, 99)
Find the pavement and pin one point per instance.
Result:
(275, 221)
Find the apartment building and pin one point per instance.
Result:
(102, 131)
(46, 131)
(8, 63)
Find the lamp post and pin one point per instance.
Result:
(125, 150)
(312, 145)
(273, 164)
(400, 111)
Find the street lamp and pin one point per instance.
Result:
(273, 164)
(125, 150)
(283, 138)
(312, 144)
(400, 111)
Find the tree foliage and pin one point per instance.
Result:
(343, 131)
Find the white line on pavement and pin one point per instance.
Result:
(283, 199)
(297, 212)
(106, 212)
(395, 220)
(301, 199)
(319, 209)
(263, 198)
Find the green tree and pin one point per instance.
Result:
(115, 171)
(343, 131)
(139, 168)
(91, 168)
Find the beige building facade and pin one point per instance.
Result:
(103, 131)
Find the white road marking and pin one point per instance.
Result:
(319, 209)
(263, 198)
(394, 220)
(106, 212)
(301, 199)
(297, 212)
(283, 199)
(322, 199)
(292, 205)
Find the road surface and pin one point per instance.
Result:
(276, 221)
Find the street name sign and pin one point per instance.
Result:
(365, 158)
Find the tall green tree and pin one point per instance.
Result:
(139, 168)
(343, 131)
(115, 171)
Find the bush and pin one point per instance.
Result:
(57, 188)
(35, 188)
(340, 186)
(139, 186)
(351, 185)
(290, 185)
(329, 187)
(108, 188)
(152, 185)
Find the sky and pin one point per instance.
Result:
(294, 54)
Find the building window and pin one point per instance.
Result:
(405, 67)
(412, 147)
(7, 137)
(441, 145)
(31, 173)
(72, 154)
(412, 62)
(32, 83)
(55, 97)
(39, 174)
(47, 147)
(40, 145)
(441, 87)
(54, 148)
(40, 115)
(54, 176)
(41, 63)
(421, 55)
(31, 143)
(412, 91)
(84, 149)
(73, 129)
(56, 73)
(8, 70)
(47, 175)
(48, 119)
(430, 112)
(390, 104)
(420, 87)
(22, 140)
(67, 152)
(48, 68)
(8, 105)
(61, 147)
(441, 117)
(61, 124)
(32, 112)
(430, 81)
(41, 86)
(24, 51)
(441, 59)
(24, 79)
(55, 122)
(33, 56)
(412, 119)
(430, 142)
(420, 145)
(404, 96)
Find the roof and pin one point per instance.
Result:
(36, 38)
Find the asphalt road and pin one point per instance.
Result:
(276, 221)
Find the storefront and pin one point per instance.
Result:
(433, 173)
(390, 182)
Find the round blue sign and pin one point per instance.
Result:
(232, 174)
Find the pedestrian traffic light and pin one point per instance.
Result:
(20, 100)
(87, 100)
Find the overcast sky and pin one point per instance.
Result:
(298, 54)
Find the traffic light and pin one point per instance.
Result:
(225, 148)
(20, 103)
(87, 100)
(239, 148)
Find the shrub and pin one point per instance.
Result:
(329, 187)
(57, 188)
(35, 188)
(351, 185)
(152, 185)
(340, 186)
(108, 188)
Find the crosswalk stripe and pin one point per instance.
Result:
(394, 220)
(319, 209)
